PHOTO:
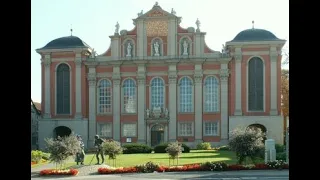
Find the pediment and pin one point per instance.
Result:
(156, 12)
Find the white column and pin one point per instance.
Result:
(116, 103)
(47, 65)
(198, 103)
(224, 74)
(273, 83)
(172, 103)
(141, 104)
(92, 106)
(78, 63)
(238, 106)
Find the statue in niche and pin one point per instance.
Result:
(129, 47)
(156, 48)
(185, 47)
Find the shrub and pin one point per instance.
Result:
(204, 146)
(214, 166)
(174, 149)
(281, 156)
(36, 156)
(280, 148)
(161, 148)
(62, 148)
(46, 156)
(112, 148)
(147, 168)
(135, 148)
(246, 143)
(224, 148)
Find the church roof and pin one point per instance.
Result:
(255, 35)
(66, 42)
(156, 11)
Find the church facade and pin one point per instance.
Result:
(160, 82)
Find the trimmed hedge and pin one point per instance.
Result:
(136, 148)
(161, 148)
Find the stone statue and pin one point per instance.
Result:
(156, 48)
(129, 47)
(140, 13)
(198, 24)
(117, 28)
(166, 112)
(173, 11)
(185, 47)
(156, 4)
(148, 113)
(93, 54)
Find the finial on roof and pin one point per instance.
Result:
(252, 24)
(156, 4)
(71, 29)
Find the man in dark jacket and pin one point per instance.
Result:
(98, 144)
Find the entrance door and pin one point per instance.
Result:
(157, 135)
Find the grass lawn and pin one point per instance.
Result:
(39, 164)
(195, 156)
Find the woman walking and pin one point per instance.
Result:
(80, 155)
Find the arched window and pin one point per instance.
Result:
(129, 96)
(211, 94)
(63, 89)
(186, 91)
(105, 96)
(157, 93)
(255, 85)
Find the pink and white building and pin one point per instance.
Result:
(160, 82)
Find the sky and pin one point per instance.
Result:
(94, 21)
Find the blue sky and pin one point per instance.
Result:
(94, 21)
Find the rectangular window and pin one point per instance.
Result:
(211, 129)
(129, 130)
(106, 130)
(185, 129)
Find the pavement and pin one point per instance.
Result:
(225, 175)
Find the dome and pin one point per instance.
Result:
(66, 42)
(255, 35)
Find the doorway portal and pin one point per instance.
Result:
(61, 131)
(157, 135)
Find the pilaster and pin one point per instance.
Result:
(115, 46)
(238, 74)
(198, 76)
(78, 63)
(47, 93)
(172, 40)
(198, 44)
(91, 77)
(116, 102)
(273, 81)
(224, 74)
(172, 102)
(141, 77)
(140, 38)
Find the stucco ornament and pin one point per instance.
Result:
(148, 113)
(156, 112)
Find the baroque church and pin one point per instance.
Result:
(160, 82)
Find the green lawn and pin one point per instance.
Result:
(195, 156)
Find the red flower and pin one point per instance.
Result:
(72, 172)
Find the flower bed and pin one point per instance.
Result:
(72, 172)
(208, 166)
